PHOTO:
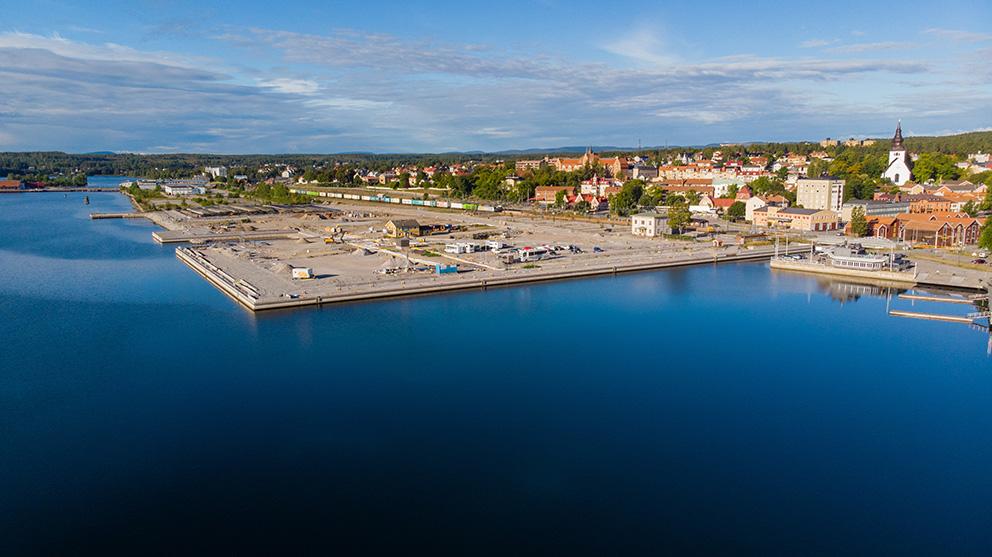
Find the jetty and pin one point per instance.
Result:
(932, 316)
(188, 236)
(253, 298)
(956, 279)
(805, 266)
(946, 299)
(98, 216)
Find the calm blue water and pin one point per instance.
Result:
(106, 181)
(708, 410)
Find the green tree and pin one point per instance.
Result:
(679, 217)
(985, 238)
(935, 166)
(736, 211)
(859, 224)
(970, 208)
(627, 198)
(560, 199)
(817, 168)
(986, 204)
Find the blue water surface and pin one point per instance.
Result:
(716, 409)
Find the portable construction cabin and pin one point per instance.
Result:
(445, 269)
(302, 273)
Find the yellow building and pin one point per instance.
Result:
(805, 220)
(399, 228)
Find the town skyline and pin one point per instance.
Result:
(307, 78)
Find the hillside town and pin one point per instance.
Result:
(834, 187)
(281, 234)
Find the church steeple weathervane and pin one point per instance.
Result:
(897, 140)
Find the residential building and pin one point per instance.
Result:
(940, 230)
(874, 208)
(806, 220)
(825, 194)
(548, 194)
(887, 227)
(757, 202)
(215, 171)
(930, 204)
(647, 224)
(180, 189)
(398, 228)
(11, 185)
(523, 167)
(644, 172)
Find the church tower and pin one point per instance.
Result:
(900, 169)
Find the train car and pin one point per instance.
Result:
(418, 202)
(395, 200)
(455, 205)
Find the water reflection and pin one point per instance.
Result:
(844, 292)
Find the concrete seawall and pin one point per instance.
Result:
(804, 267)
(948, 280)
(230, 285)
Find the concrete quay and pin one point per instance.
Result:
(248, 295)
(925, 275)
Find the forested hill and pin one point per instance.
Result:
(961, 144)
(176, 165)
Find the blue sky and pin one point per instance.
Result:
(324, 76)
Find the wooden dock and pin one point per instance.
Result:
(98, 216)
(946, 299)
(931, 316)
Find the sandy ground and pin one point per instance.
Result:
(352, 266)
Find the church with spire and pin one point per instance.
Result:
(900, 168)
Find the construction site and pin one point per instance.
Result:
(346, 250)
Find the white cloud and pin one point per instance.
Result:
(642, 45)
(291, 86)
(868, 47)
(959, 35)
(349, 91)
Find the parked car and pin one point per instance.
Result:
(597, 249)
(979, 261)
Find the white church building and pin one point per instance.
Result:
(900, 169)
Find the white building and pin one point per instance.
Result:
(215, 171)
(648, 225)
(751, 205)
(183, 189)
(721, 186)
(899, 170)
(824, 194)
